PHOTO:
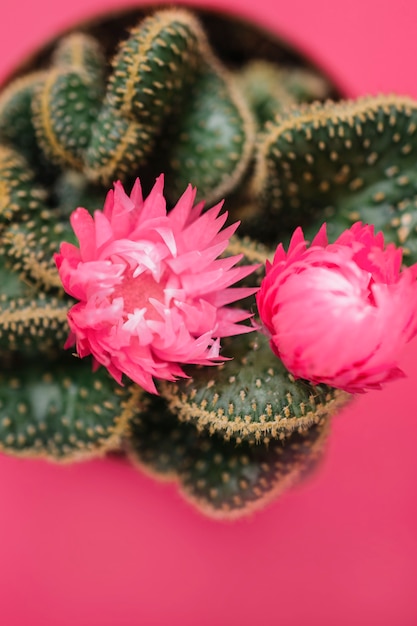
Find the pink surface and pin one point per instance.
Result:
(99, 544)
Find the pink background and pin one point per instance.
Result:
(99, 544)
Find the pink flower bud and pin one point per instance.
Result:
(152, 293)
(340, 313)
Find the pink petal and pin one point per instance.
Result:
(340, 313)
(84, 229)
(152, 292)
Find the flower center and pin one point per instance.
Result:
(136, 292)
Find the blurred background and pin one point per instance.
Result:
(99, 544)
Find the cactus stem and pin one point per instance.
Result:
(50, 140)
(276, 426)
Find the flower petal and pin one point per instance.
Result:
(340, 313)
(152, 293)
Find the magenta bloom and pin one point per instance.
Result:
(340, 313)
(152, 292)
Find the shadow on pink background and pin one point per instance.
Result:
(99, 544)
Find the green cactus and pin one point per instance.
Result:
(341, 162)
(211, 142)
(16, 123)
(118, 145)
(20, 195)
(62, 412)
(83, 52)
(251, 398)
(235, 435)
(166, 78)
(270, 89)
(64, 108)
(157, 61)
(220, 478)
(30, 246)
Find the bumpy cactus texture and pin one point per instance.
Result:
(221, 478)
(344, 161)
(258, 409)
(232, 436)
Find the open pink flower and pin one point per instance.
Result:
(340, 313)
(152, 292)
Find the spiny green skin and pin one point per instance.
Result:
(151, 71)
(30, 321)
(20, 195)
(157, 61)
(222, 479)
(271, 89)
(208, 143)
(16, 123)
(44, 414)
(119, 145)
(30, 247)
(66, 103)
(62, 411)
(76, 53)
(251, 398)
(64, 109)
(168, 94)
(339, 163)
(32, 325)
(79, 50)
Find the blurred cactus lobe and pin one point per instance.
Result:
(64, 414)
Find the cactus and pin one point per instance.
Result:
(30, 322)
(258, 409)
(220, 478)
(64, 413)
(235, 435)
(16, 122)
(270, 89)
(347, 161)
(166, 64)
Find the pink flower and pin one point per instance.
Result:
(340, 313)
(152, 292)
